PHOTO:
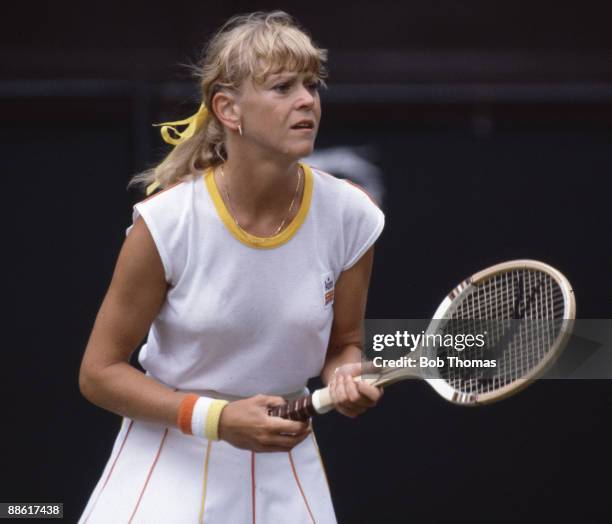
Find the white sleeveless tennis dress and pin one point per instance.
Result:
(243, 316)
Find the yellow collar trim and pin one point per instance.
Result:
(251, 240)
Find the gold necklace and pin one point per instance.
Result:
(233, 213)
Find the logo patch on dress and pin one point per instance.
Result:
(328, 289)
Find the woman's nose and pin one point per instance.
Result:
(305, 97)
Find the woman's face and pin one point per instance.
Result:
(282, 114)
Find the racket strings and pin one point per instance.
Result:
(520, 313)
(498, 303)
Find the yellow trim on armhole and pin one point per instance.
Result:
(251, 240)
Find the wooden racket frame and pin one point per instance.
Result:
(321, 402)
(447, 307)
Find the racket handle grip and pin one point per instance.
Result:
(305, 407)
(299, 409)
(318, 403)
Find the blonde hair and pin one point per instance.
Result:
(253, 45)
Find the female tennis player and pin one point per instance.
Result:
(248, 273)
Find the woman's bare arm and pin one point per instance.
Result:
(345, 345)
(135, 296)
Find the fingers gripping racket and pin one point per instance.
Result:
(529, 307)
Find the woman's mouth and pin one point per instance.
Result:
(304, 126)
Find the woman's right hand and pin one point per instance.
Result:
(246, 424)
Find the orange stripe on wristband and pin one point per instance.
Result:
(185, 412)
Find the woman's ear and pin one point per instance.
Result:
(226, 109)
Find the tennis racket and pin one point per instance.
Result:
(527, 309)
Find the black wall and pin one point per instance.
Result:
(492, 123)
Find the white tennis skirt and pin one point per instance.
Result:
(159, 475)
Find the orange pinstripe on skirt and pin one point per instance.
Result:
(159, 475)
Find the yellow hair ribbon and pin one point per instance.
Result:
(193, 123)
(152, 187)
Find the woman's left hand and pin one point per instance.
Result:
(352, 397)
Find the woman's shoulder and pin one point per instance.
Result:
(173, 192)
(358, 219)
(167, 214)
(167, 208)
(341, 190)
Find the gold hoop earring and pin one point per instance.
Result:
(240, 130)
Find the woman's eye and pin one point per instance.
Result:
(284, 88)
